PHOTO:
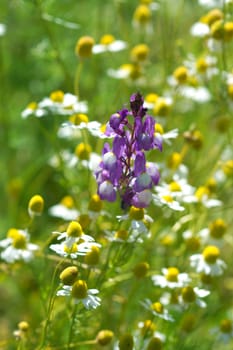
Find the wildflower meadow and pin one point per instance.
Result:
(116, 174)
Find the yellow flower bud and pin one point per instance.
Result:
(172, 274)
(217, 30)
(92, 257)
(83, 48)
(23, 326)
(104, 337)
(226, 326)
(36, 205)
(69, 275)
(140, 53)
(83, 151)
(217, 228)
(141, 269)
(227, 167)
(95, 203)
(74, 229)
(174, 160)
(142, 14)
(228, 31)
(213, 16)
(155, 344)
(136, 213)
(211, 253)
(181, 74)
(78, 118)
(188, 294)
(79, 290)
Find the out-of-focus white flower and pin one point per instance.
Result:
(65, 209)
(2, 29)
(200, 29)
(81, 294)
(157, 309)
(213, 3)
(171, 278)
(17, 246)
(190, 295)
(208, 262)
(109, 43)
(58, 103)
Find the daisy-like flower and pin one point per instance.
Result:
(109, 43)
(131, 71)
(164, 198)
(2, 29)
(208, 262)
(58, 103)
(190, 295)
(74, 234)
(65, 209)
(81, 294)
(74, 250)
(17, 246)
(214, 234)
(224, 331)
(171, 278)
(203, 195)
(157, 310)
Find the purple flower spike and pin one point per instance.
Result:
(123, 168)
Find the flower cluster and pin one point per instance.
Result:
(123, 168)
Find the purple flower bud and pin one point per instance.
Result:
(153, 171)
(142, 199)
(142, 182)
(107, 191)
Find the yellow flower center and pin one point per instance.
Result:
(226, 326)
(83, 151)
(142, 14)
(57, 96)
(19, 240)
(78, 118)
(84, 220)
(140, 52)
(121, 234)
(72, 249)
(151, 98)
(201, 65)
(211, 253)
(172, 274)
(74, 229)
(174, 160)
(32, 105)
(228, 31)
(161, 108)
(188, 294)
(167, 198)
(213, 16)
(155, 344)
(201, 192)
(217, 228)
(126, 342)
(228, 167)
(92, 257)
(148, 327)
(68, 202)
(157, 307)
(23, 326)
(136, 213)
(79, 290)
(95, 203)
(159, 128)
(211, 184)
(107, 39)
(181, 74)
(84, 46)
(174, 186)
(217, 30)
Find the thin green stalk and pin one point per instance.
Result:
(77, 78)
(73, 318)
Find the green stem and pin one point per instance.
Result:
(77, 78)
(72, 325)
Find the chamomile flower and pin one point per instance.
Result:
(109, 43)
(224, 331)
(17, 247)
(74, 234)
(171, 278)
(214, 234)
(208, 262)
(164, 198)
(190, 295)
(65, 209)
(157, 310)
(131, 71)
(2, 29)
(81, 294)
(58, 103)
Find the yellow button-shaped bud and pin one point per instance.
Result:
(74, 229)
(161, 108)
(211, 253)
(228, 31)
(84, 46)
(23, 326)
(174, 160)
(92, 257)
(104, 337)
(201, 65)
(155, 344)
(142, 14)
(230, 91)
(36, 205)
(140, 53)
(157, 307)
(217, 30)
(181, 74)
(19, 240)
(121, 234)
(83, 151)
(159, 128)
(147, 327)
(151, 98)
(126, 342)
(217, 228)
(79, 290)
(69, 275)
(226, 326)
(141, 269)
(213, 16)
(227, 167)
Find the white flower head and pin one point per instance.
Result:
(81, 294)
(171, 278)
(208, 262)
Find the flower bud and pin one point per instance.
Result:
(36, 205)
(84, 46)
(104, 337)
(69, 275)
